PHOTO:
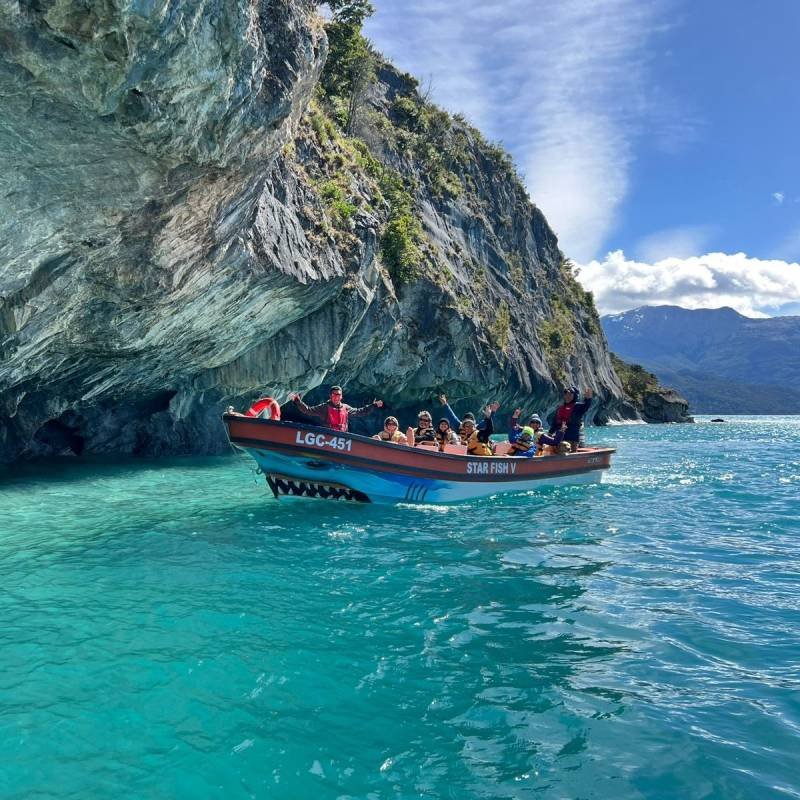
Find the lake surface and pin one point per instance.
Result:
(170, 631)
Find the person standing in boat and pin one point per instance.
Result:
(335, 414)
(571, 412)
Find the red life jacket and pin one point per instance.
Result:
(563, 413)
(337, 416)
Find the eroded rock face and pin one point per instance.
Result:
(665, 405)
(163, 252)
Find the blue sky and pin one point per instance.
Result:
(659, 137)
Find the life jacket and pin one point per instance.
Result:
(424, 435)
(337, 416)
(385, 436)
(523, 448)
(475, 447)
(463, 435)
(563, 413)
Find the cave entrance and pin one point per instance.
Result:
(60, 437)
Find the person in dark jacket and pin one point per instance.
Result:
(571, 413)
(335, 414)
(424, 431)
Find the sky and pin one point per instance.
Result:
(659, 137)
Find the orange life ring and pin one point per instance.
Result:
(269, 403)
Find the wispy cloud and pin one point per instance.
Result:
(754, 287)
(681, 242)
(778, 197)
(789, 247)
(563, 85)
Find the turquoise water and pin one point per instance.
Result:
(170, 632)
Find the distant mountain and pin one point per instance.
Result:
(721, 361)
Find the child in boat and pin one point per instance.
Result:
(445, 434)
(525, 444)
(391, 432)
(546, 444)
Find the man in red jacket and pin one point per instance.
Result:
(335, 414)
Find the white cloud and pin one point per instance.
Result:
(681, 242)
(562, 84)
(754, 287)
(778, 197)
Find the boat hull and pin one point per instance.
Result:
(304, 460)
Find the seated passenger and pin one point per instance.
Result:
(548, 444)
(525, 444)
(515, 429)
(424, 432)
(445, 434)
(391, 432)
(455, 423)
(479, 442)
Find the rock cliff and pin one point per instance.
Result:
(654, 402)
(185, 224)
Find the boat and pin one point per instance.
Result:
(307, 461)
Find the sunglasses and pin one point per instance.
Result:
(391, 424)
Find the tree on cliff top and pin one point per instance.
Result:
(350, 66)
(350, 12)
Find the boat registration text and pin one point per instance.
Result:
(321, 440)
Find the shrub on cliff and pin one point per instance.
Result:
(635, 379)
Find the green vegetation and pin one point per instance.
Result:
(635, 379)
(584, 299)
(557, 337)
(350, 67)
(400, 242)
(515, 272)
(500, 329)
(340, 208)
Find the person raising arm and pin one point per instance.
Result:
(334, 413)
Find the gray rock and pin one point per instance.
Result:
(665, 405)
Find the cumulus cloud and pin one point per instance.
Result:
(562, 85)
(754, 287)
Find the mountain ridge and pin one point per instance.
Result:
(720, 360)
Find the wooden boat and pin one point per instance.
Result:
(307, 461)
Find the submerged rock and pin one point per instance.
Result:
(172, 240)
